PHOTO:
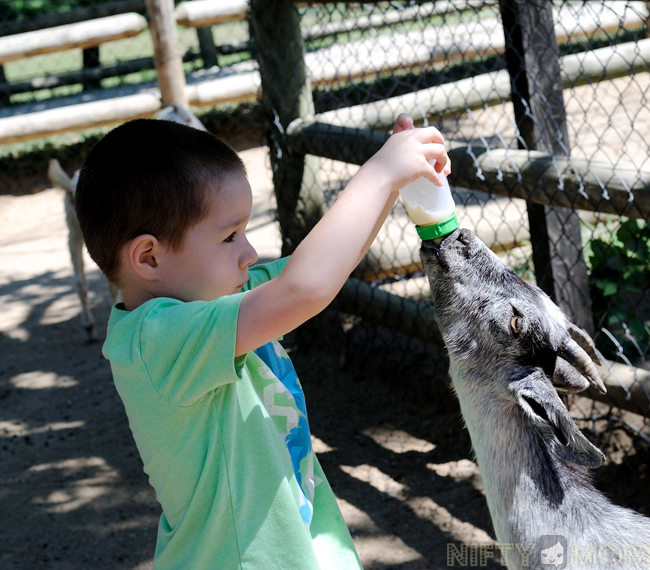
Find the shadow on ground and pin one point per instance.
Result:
(74, 494)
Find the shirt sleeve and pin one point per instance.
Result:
(188, 348)
(259, 274)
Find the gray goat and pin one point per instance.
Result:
(510, 348)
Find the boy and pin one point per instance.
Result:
(213, 402)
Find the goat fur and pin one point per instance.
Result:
(510, 348)
(60, 179)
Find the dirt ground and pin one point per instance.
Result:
(72, 491)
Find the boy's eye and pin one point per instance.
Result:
(230, 238)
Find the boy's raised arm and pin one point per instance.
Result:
(329, 253)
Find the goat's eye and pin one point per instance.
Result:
(516, 322)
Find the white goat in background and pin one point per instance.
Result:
(60, 179)
(510, 348)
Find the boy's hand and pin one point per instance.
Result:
(325, 258)
(404, 122)
(427, 142)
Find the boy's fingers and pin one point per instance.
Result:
(436, 151)
(446, 167)
(430, 134)
(404, 122)
(435, 179)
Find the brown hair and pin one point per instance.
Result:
(148, 177)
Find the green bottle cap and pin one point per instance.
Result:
(438, 230)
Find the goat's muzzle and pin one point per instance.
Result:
(441, 243)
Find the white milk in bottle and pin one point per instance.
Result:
(430, 207)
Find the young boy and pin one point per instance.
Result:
(214, 404)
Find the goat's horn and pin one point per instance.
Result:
(580, 360)
(584, 341)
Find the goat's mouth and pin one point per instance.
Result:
(434, 252)
(439, 245)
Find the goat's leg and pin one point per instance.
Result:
(75, 244)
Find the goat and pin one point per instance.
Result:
(60, 179)
(510, 350)
(180, 114)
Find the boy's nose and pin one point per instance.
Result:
(249, 256)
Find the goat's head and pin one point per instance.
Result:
(507, 339)
(180, 114)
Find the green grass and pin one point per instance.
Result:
(111, 53)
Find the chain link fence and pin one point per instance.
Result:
(550, 147)
(549, 141)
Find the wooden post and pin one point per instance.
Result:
(532, 58)
(207, 47)
(4, 91)
(286, 91)
(91, 61)
(167, 57)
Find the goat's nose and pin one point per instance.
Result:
(464, 236)
(432, 245)
(449, 240)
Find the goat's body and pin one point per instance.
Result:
(531, 493)
(510, 348)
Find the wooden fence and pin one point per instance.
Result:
(287, 74)
(299, 137)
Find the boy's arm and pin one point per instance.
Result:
(329, 253)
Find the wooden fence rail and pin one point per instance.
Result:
(451, 99)
(580, 184)
(80, 35)
(440, 102)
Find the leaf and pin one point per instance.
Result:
(638, 330)
(628, 231)
(607, 287)
(616, 262)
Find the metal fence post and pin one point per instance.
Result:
(532, 58)
(286, 91)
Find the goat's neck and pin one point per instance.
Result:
(531, 493)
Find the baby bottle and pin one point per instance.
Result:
(430, 207)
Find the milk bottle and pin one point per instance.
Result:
(430, 207)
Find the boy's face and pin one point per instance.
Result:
(215, 255)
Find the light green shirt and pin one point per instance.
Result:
(213, 434)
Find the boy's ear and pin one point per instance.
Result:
(141, 256)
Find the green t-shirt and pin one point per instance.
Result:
(223, 441)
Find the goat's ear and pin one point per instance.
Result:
(541, 404)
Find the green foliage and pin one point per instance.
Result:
(619, 280)
(24, 9)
